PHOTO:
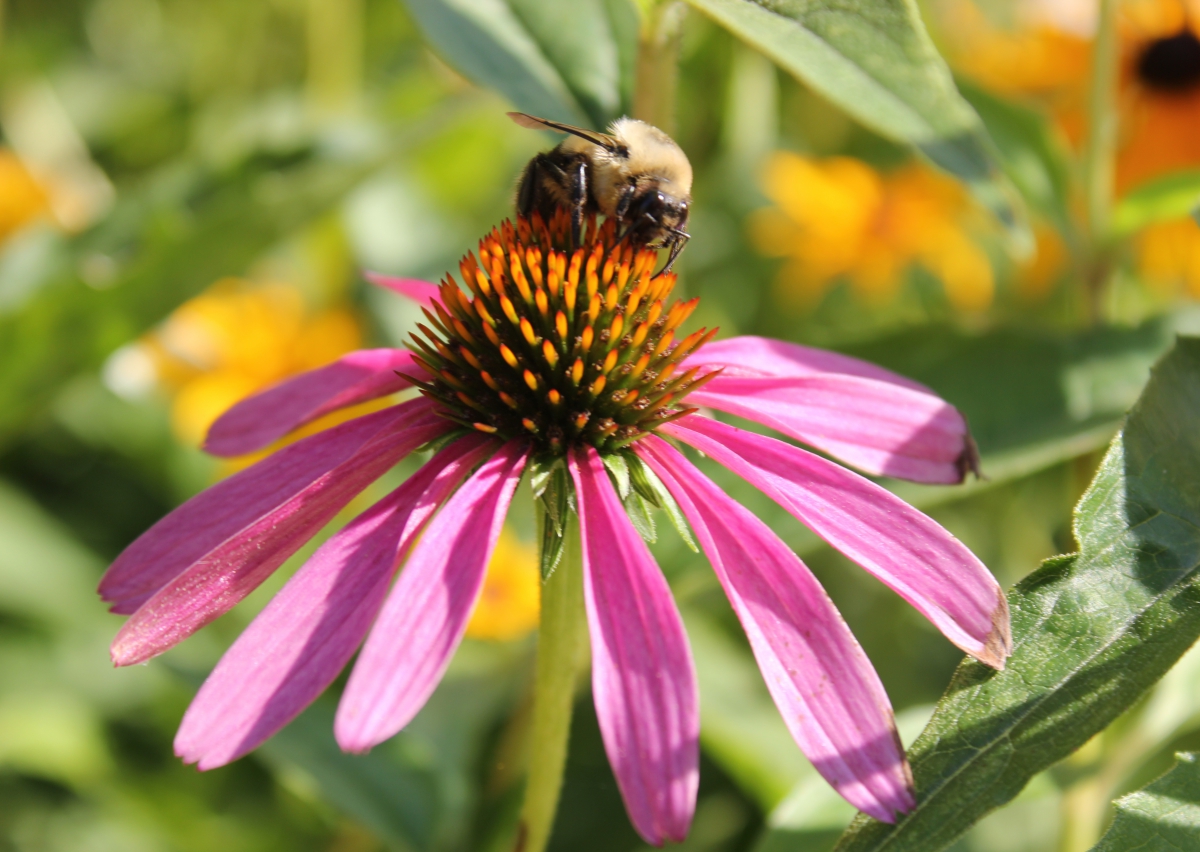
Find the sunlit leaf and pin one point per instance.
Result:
(1163, 817)
(1032, 399)
(875, 60)
(1161, 200)
(1092, 631)
(570, 62)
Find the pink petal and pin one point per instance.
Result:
(264, 418)
(426, 613)
(878, 427)
(906, 550)
(825, 687)
(643, 679)
(198, 526)
(763, 357)
(223, 576)
(421, 292)
(307, 633)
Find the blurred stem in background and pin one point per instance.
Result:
(561, 655)
(657, 74)
(1099, 159)
(335, 55)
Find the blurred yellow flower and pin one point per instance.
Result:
(838, 218)
(235, 339)
(508, 605)
(22, 198)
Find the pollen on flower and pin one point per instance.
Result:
(563, 346)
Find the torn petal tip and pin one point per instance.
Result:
(968, 459)
(998, 645)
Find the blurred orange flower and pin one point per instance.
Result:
(509, 604)
(838, 218)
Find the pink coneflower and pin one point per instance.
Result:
(557, 355)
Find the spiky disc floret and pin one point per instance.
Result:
(563, 347)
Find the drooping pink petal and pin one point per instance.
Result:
(762, 357)
(905, 549)
(825, 687)
(264, 418)
(426, 614)
(202, 523)
(304, 637)
(878, 427)
(223, 576)
(643, 678)
(421, 292)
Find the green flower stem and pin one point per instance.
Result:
(1099, 155)
(561, 656)
(656, 75)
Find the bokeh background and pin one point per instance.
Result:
(189, 191)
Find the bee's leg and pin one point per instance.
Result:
(577, 191)
(629, 215)
(677, 241)
(622, 210)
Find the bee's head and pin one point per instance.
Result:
(655, 213)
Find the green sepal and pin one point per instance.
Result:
(553, 542)
(639, 514)
(552, 487)
(648, 486)
(441, 441)
(553, 490)
(618, 471)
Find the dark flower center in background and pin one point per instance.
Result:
(563, 347)
(1171, 64)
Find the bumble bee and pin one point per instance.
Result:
(635, 174)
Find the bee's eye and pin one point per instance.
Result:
(662, 199)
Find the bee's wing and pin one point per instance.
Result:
(534, 123)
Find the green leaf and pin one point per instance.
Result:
(162, 246)
(1164, 817)
(875, 60)
(570, 62)
(397, 802)
(1032, 399)
(1031, 152)
(1093, 631)
(1161, 200)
